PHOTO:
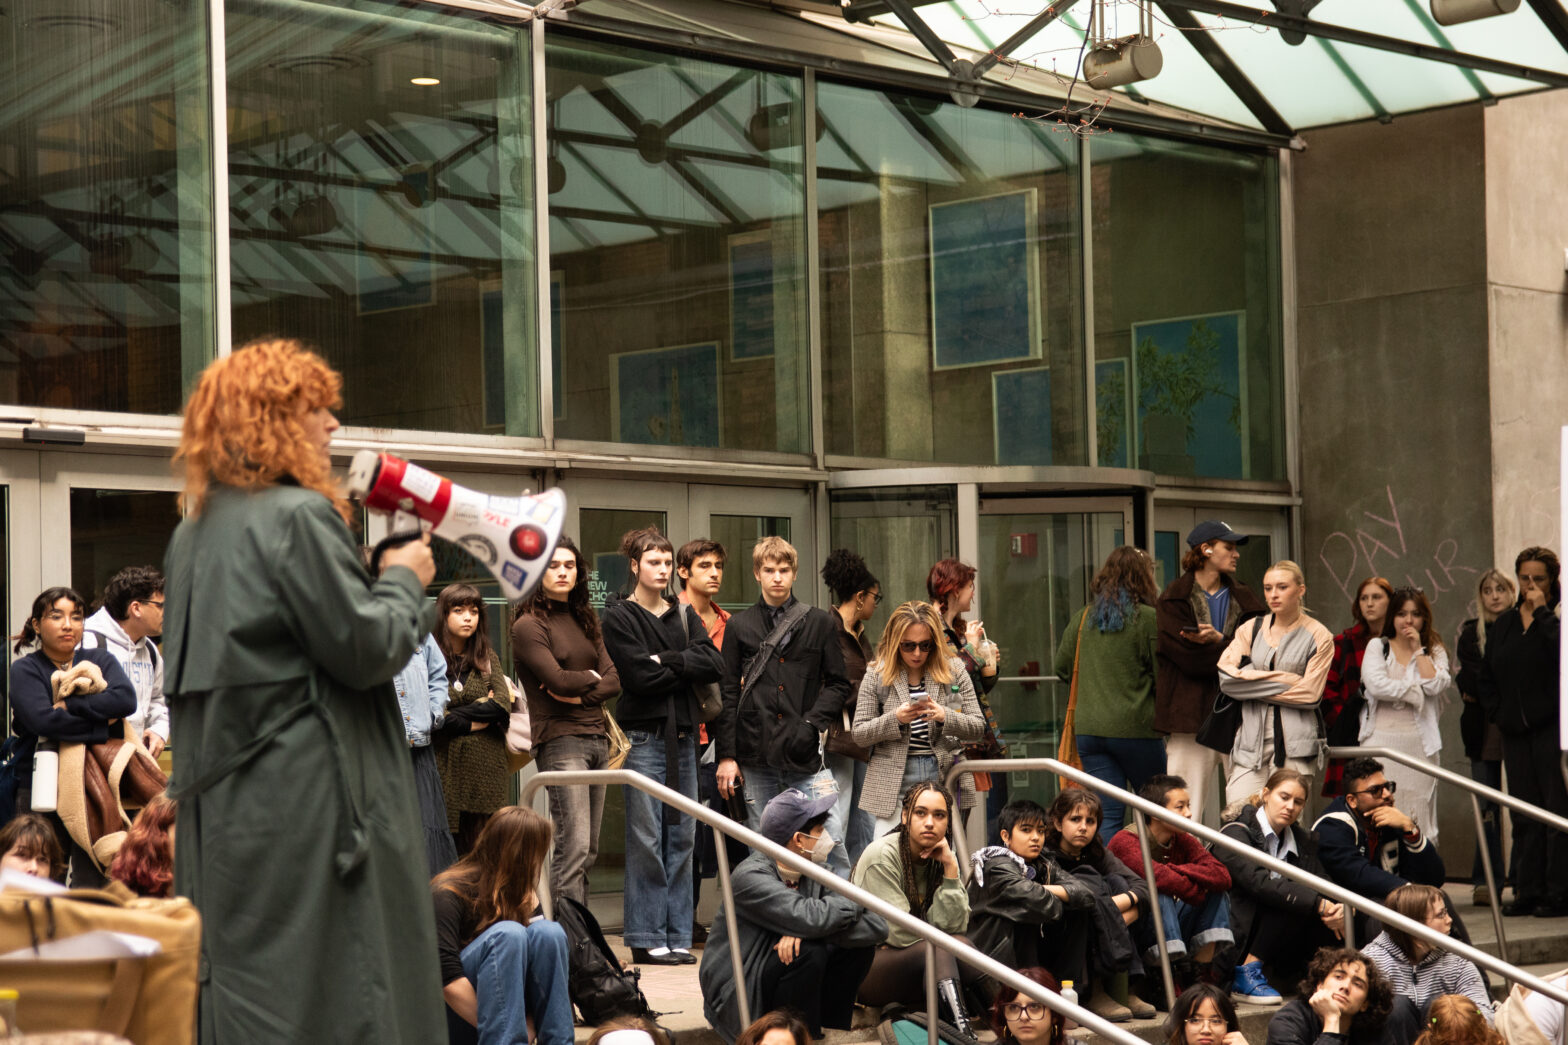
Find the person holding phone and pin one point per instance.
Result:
(915, 711)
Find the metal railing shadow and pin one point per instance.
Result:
(1477, 791)
(936, 938)
(1142, 807)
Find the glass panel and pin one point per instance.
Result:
(1187, 341)
(380, 185)
(901, 533)
(1038, 568)
(678, 241)
(1257, 555)
(739, 534)
(951, 321)
(5, 597)
(1168, 550)
(105, 262)
(113, 529)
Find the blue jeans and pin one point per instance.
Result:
(518, 970)
(1125, 762)
(764, 783)
(1188, 929)
(658, 901)
(917, 769)
(850, 775)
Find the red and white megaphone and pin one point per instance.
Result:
(513, 537)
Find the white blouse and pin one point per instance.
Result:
(1387, 681)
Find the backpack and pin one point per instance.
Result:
(901, 1026)
(599, 986)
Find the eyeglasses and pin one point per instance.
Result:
(924, 646)
(152, 602)
(1030, 1010)
(1378, 790)
(1205, 1022)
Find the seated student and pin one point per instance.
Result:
(803, 948)
(775, 1028)
(1416, 969)
(29, 845)
(1277, 922)
(1453, 1019)
(501, 968)
(144, 866)
(1531, 1017)
(1120, 897)
(1191, 881)
(1203, 1015)
(1020, 901)
(1018, 1018)
(913, 868)
(1344, 999)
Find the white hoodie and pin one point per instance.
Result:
(142, 663)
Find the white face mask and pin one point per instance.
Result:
(821, 849)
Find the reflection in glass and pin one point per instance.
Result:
(105, 263)
(599, 539)
(677, 250)
(113, 529)
(901, 533)
(1187, 352)
(951, 299)
(739, 534)
(384, 217)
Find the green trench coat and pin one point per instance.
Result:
(302, 849)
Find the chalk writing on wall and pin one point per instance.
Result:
(1379, 546)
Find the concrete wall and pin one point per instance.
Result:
(1391, 260)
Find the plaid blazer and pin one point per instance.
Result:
(878, 729)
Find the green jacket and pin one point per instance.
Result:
(299, 832)
(880, 872)
(1115, 675)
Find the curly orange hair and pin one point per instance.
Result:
(242, 423)
(1453, 1019)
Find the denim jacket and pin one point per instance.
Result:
(422, 692)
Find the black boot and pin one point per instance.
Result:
(948, 991)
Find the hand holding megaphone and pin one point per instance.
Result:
(513, 537)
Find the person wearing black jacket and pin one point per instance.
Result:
(1344, 1001)
(659, 657)
(770, 731)
(1519, 690)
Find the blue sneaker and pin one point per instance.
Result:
(1250, 986)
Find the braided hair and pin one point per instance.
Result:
(920, 885)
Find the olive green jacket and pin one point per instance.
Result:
(299, 833)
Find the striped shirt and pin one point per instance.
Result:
(919, 729)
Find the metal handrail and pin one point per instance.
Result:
(1327, 888)
(1477, 792)
(933, 936)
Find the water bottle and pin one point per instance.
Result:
(46, 777)
(1070, 996)
(8, 1028)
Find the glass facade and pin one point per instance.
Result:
(951, 282)
(1186, 308)
(106, 274)
(113, 529)
(380, 186)
(677, 250)
(901, 533)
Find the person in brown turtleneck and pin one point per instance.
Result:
(559, 657)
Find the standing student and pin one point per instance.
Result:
(1483, 742)
(1368, 611)
(1197, 615)
(1405, 673)
(784, 685)
(659, 657)
(856, 595)
(951, 588)
(129, 619)
(471, 746)
(568, 676)
(1519, 688)
(1287, 657)
(1112, 645)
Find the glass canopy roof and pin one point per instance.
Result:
(1313, 82)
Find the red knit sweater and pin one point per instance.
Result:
(1186, 870)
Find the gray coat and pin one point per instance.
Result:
(1289, 678)
(765, 910)
(877, 728)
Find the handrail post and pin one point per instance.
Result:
(1491, 880)
(728, 892)
(1142, 826)
(931, 1015)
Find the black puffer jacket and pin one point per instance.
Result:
(799, 692)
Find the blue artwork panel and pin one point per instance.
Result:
(1189, 374)
(1022, 405)
(984, 281)
(667, 396)
(751, 299)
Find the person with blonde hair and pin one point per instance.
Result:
(1494, 593)
(1277, 667)
(299, 830)
(916, 709)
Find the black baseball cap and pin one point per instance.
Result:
(790, 811)
(1213, 530)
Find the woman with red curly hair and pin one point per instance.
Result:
(299, 829)
(145, 862)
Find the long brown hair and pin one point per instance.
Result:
(1123, 583)
(899, 622)
(1403, 596)
(1414, 902)
(474, 655)
(1355, 603)
(946, 579)
(577, 601)
(500, 875)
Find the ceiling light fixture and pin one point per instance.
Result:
(424, 81)
(1452, 12)
(1119, 61)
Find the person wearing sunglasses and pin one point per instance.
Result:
(129, 619)
(1017, 1018)
(915, 710)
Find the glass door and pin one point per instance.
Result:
(1037, 557)
(21, 577)
(738, 517)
